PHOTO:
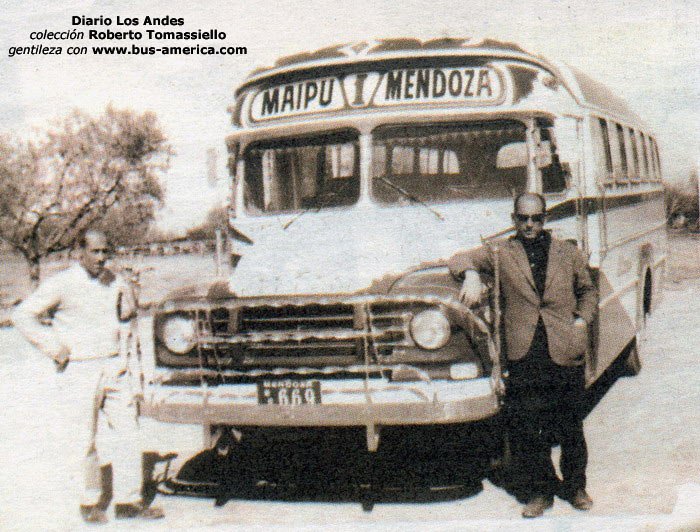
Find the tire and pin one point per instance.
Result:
(632, 357)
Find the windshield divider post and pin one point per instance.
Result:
(365, 168)
(534, 175)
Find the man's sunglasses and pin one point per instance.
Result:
(536, 218)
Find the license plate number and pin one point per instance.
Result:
(289, 392)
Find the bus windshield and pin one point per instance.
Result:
(286, 175)
(447, 162)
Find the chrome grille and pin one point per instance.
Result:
(392, 322)
(312, 335)
(292, 317)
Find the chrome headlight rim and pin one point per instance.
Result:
(178, 333)
(430, 329)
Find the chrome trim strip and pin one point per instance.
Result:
(627, 240)
(618, 293)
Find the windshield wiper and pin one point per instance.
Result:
(308, 209)
(411, 197)
(325, 200)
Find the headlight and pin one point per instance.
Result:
(179, 334)
(430, 329)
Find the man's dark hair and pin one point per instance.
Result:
(531, 194)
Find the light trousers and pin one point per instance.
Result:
(109, 434)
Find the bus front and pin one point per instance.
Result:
(354, 182)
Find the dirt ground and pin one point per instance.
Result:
(644, 467)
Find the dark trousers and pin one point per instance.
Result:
(544, 404)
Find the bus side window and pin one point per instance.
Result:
(623, 176)
(657, 161)
(652, 160)
(635, 155)
(607, 149)
(645, 157)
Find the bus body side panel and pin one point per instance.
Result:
(635, 235)
(627, 239)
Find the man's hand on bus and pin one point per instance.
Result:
(472, 288)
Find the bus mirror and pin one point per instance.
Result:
(513, 155)
(544, 154)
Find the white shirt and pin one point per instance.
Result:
(85, 320)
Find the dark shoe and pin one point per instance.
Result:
(137, 510)
(93, 514)
(581, 500)
(536, 506)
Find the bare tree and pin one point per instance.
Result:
(81, 173)
(682, 198)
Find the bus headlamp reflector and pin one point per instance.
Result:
(430, 329)
(179, 334)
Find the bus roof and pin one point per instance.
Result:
(587, 92)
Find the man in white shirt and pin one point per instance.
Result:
(89, 305)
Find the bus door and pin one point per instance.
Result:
(564, 184)
(562, 177)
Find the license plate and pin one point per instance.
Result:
(289, 392)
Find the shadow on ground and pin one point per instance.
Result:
(423, 464)
(416, 464)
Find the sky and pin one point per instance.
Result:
(648, 52)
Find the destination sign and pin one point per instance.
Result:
(478, 85)
(409, 86)
(312, 96)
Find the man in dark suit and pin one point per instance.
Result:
(548, 301)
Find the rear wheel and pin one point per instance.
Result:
(646, 296)
(633, 352)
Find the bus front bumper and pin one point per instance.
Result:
(344, 403)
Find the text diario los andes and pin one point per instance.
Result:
(80, 20)
(131, 22)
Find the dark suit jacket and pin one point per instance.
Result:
(569, 293)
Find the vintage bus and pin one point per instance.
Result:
(357, 171)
